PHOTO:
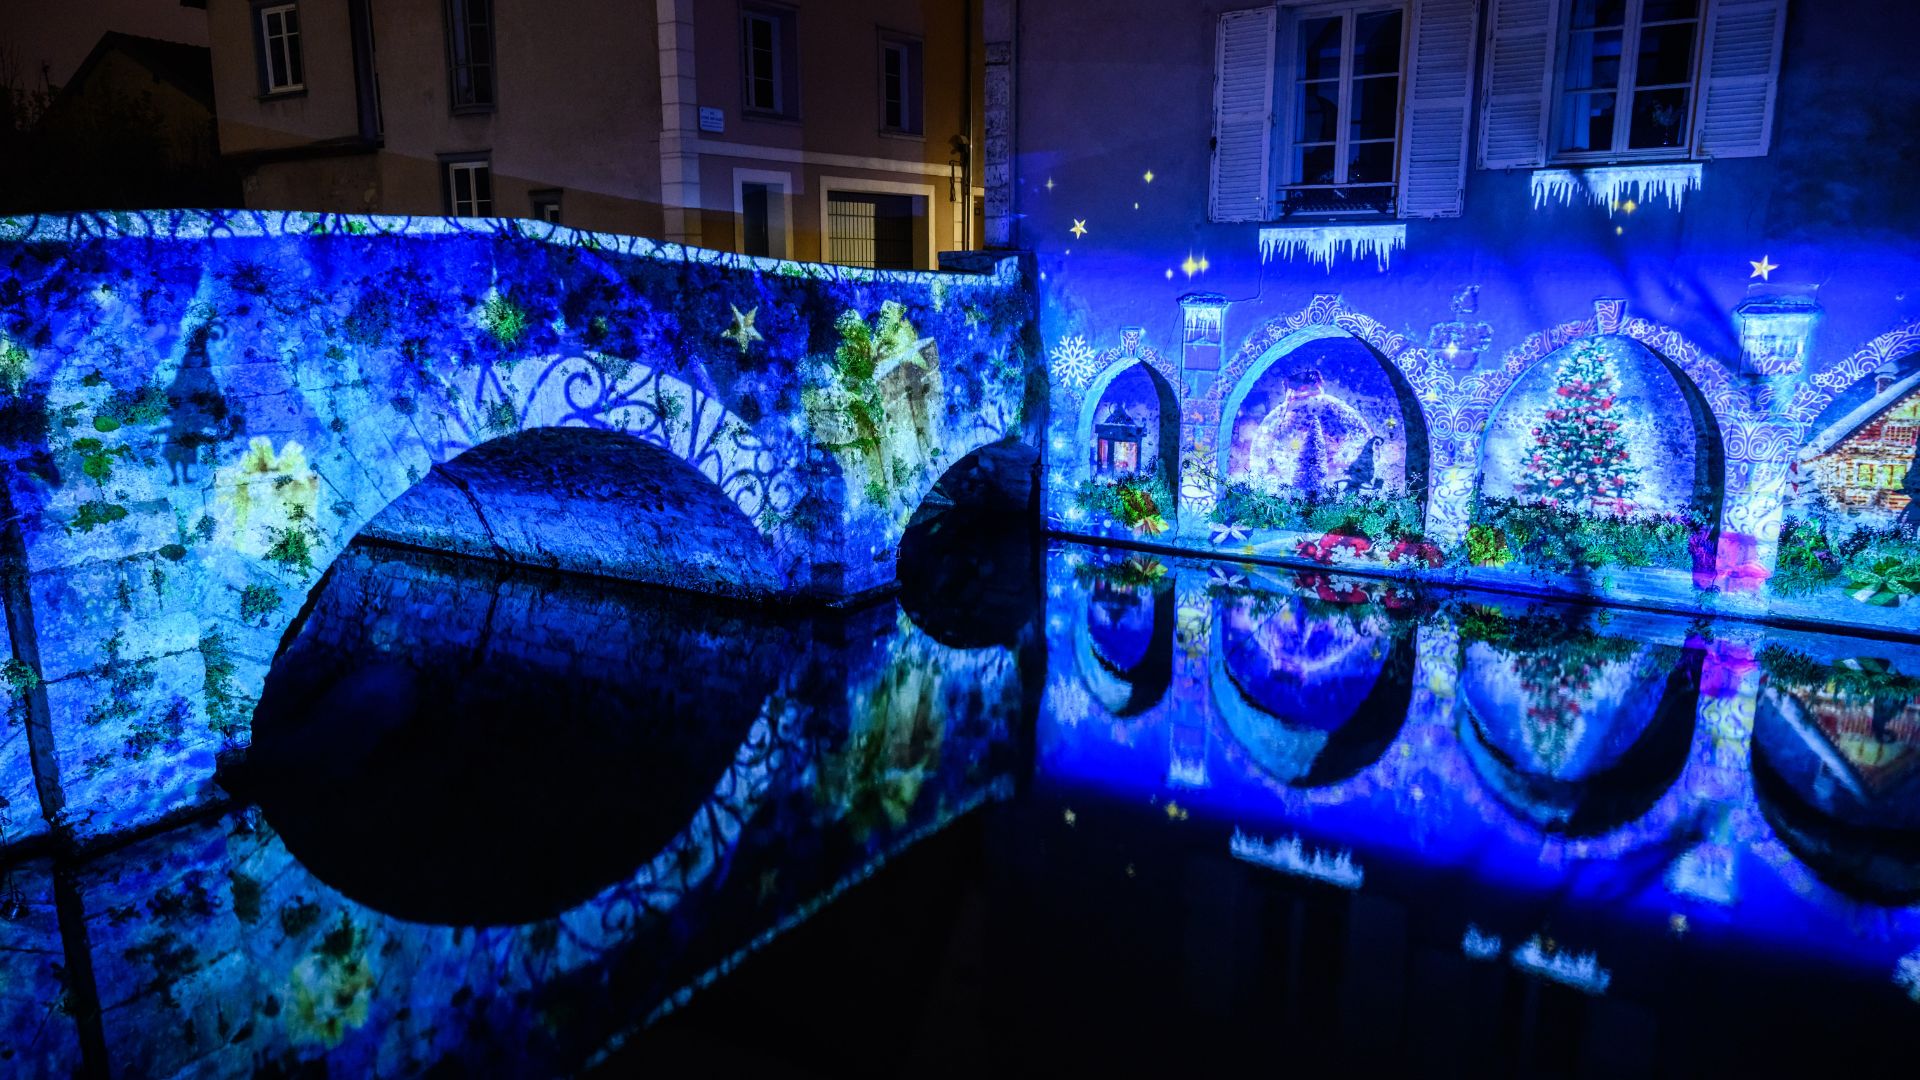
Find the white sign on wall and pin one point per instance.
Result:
(713, 119)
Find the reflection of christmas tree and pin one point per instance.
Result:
(1579, 457)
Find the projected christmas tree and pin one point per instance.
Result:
(1580, 459)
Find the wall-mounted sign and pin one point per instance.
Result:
(713, 119)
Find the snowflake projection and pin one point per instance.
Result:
(1073, 362)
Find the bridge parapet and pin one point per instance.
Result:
(199, 410)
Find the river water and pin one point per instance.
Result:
(1064, 807)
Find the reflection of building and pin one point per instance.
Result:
(1860, 461)
(832, 131)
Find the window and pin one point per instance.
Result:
(366, 70)
(767, 62)
(1580, 81)
(873, 230)
(470, 54)
(1345, 113)
(280, 67)
(469, 187)
(1342, 109)
(1626, 83)
(546, 205)
(900, 110)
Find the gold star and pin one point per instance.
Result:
(1149, 177)
(1191, 266)
(742, 332)
(1762, 269)
(1079, 228)
(1070, 817)
(1049, 183)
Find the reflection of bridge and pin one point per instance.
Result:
(203, 408)
(842, 738)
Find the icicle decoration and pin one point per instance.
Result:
(1609, 187)
(1480, 945)
(1293, 856)
(1582, 971)
(1325, 243)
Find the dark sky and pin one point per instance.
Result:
(60, 33)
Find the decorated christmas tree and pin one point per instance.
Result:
(1579, 458)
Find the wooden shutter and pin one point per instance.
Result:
(1242, 115)
(1522, 38)
(1439, 95)
(1739, 76)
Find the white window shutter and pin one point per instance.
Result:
(1242, 115)
(1522, 38)
(1739, 76)
(1439, 95)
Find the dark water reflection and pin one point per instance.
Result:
(1105, 811)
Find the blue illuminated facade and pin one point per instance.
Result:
(1674, 374)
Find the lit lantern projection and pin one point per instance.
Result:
(1576, 732)
(1124, 643)
(1324, 438)
(1600, 455)
(1312, 692)
(1836, 768)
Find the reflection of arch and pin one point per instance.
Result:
(411, 681)
(1340, 712)
(1113, 363)
(1250, 370)
(1710, 449)
(1129, 685)
(1613, 786)
(1856, 826)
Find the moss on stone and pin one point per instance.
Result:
(258, 601)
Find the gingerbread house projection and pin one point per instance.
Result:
(1864, 461)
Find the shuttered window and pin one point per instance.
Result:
(1343, 109)
(1628, 80)
(1243, 116)
(1439, 105)
(1740, 74)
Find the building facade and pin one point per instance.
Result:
(815, 130)
(1581, 282)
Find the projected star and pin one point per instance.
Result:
(1079, 228)
(1148, 177)
(1762, 269)
(742, 332)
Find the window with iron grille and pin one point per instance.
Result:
(872, 230)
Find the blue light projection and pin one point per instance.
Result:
(1580, 767)
(397, 902)
(198, 410)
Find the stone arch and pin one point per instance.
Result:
(1837, 377)
(1110, 365)
(1710, 441)
(1244, 373)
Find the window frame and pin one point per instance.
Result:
(913, 108)
(543, 199)
(785, 54)
(477, 162)
(1285, 84)
(781, 187)
(292, 53)
(459, 25)
(1624, 90)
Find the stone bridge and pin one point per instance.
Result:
(201, 409)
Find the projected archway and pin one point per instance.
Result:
(1602, 454)
(1320, 435)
